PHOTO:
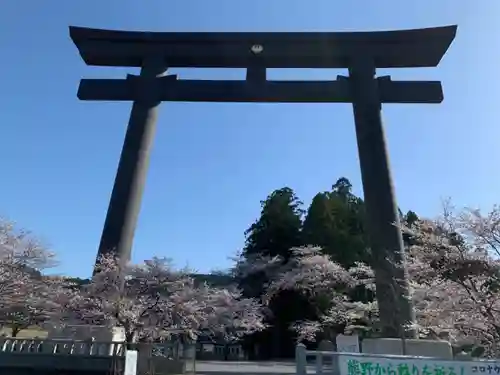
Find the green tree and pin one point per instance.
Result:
(278, 228)
(275, 232)
(335, 222)
(319, 222)
(410, 218)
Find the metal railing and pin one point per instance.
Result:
(66, 347)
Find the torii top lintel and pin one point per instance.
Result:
(388, 49)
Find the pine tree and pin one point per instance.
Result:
(335, 222)
(277, 230)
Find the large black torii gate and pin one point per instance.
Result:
(361, 52)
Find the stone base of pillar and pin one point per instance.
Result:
(425, 348)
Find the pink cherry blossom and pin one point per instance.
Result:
(153, 301)
(25, 295)
(454, 272)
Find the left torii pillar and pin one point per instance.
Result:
(125, 203)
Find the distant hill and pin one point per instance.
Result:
(216, 280)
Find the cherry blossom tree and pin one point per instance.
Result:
(24, 291)
(153, 301)
(229, 315)
(324, 283)
(454, 277)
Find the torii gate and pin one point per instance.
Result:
(360, 52)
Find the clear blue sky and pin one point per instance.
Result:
(212, 163)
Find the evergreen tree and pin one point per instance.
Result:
(335, 222)
(410, 218)
(319, 222)
(277, 230)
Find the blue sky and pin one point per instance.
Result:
(212, 163)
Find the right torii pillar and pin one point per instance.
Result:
(386, 241)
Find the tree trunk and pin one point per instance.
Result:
(130, 340)
(15, 331)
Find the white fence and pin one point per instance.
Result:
(339, 363)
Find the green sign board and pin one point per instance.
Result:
(392, 365)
